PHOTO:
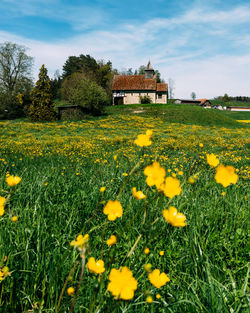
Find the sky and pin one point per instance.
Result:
(203, 46)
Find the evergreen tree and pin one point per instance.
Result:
(42, 108)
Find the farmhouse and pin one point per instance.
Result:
(127, 89)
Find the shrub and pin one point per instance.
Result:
(78, 90)
(145, 99)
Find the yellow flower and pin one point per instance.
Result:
(225, 175)
(155, 174)
(124, 174)
(4, 272)
(13, 180)
(174, 218)
(113, 209)
(171, 187)
(80, 241)
(102, 189)
(223, 193)
(2, 202)
(122, 283)
(148, 267)
(158, 296)
(115, 157)
(158, 279)
(14, 218)
(201, 145)
(180, 173)
(96, 267)
(191, 180)
(146, 250)
(149, 299)
(144, 140)
(149, 132)
(2, 210)
(161, 253)
(70, 291)
(212, 160)
(111, 241)
(139, 195)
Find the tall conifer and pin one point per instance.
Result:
(42, 108)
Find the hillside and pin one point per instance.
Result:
(186, 114)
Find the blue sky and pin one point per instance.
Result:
(204, 46)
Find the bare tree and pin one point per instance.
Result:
(171, 88)
(15, 67)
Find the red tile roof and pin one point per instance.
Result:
(133, 82)
(162, 87)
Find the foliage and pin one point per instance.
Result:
(193, 95)
(145, 99)
(42, 107)
(78, 90)
(97, 71)
(15, 70)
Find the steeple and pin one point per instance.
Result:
(149, 71)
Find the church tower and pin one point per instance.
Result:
(149, 71)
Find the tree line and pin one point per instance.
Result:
(84, 81)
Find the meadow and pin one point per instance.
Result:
(70, 170)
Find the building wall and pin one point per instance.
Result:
(133, 97)
(163, 98)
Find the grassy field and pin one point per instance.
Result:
(63, 165)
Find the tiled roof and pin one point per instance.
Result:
(162, 87)
(133, 82)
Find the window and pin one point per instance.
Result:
(159, 95)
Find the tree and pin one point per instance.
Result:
(79, 90)
(15, 78)
(171, 88)
(42, 107)
(193, 95)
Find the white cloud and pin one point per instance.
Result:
(177, 54)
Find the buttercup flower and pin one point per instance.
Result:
(148, 267)
(70, 291)
(80, 241)
(113, 209)
(4, 272)
(2, 201)
(13, 180)
(158, 296)
(158, 279)
(102, 189)
(161, 253)
(171, 187)
(112, 240)
(201, 145)
(155, 174)
(149, 299)
(14, 218)
(139, 195)
(122, 283)
(225, 175)
(174, 218)
(96, 267)
(212, 160)
(146, 250)
(144, 140)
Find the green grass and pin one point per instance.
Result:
(207, 261)
(186, 114)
